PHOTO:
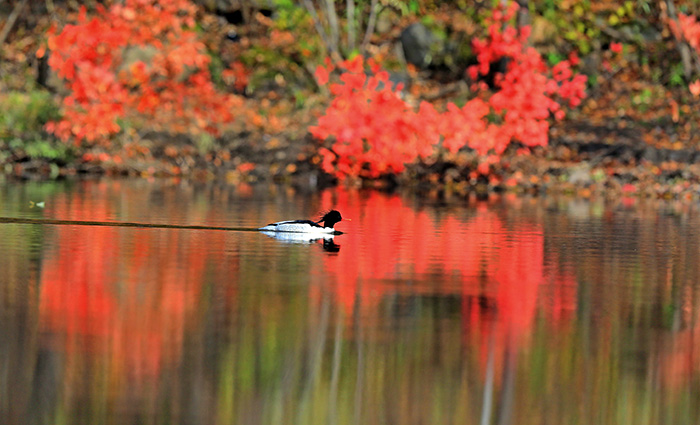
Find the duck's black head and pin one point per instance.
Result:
(330, 218)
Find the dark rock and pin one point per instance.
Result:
(416, 41)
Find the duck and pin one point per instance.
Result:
(329, 220)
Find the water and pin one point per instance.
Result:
(429, 310)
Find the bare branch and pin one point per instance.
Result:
(317, 23)
(370, 26)
(11, 21)
(333, 24)
(352, 37)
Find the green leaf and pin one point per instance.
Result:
(571, 35)
(584, 47)
(554, 58)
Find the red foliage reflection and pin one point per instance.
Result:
(132, 294)
(499, 271)
(127, 295)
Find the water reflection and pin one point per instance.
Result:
(326, 241)
(503, 311)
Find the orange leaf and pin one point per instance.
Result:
(694, 88)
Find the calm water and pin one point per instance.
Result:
(427, 311)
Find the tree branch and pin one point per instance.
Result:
(11, 21)
(350, 9)
(370, 26)
(333, 24)
(317, 22)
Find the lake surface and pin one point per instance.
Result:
(428, 310)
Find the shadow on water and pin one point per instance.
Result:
(502, 311)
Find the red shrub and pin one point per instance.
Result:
(374, 131)
(171, 89)
(366, 108)
(688, 28)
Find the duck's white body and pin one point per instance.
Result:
(307, 226)
(297, 237)
(298, 226)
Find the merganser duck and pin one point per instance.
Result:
(307, 226)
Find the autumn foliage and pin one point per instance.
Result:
(372, 130)
(137, 60)
(687, 28)
(366, 110)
